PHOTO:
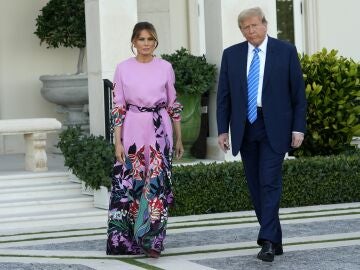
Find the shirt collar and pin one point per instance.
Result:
(262, 46)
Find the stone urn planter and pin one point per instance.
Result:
(70, 93)
(194, 77)
(190, 120)
(101, 198)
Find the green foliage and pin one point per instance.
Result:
(91, 157)
(70, 147)
(192, 73)
(214, 188)
(321, 180)
(210, 188)
(62, 23)
(333, 95)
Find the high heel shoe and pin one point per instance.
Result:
(152, 253)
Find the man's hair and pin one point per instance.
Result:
(251, 12)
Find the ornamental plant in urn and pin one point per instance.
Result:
(193, 77)
(62, 23)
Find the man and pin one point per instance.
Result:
(261, 95)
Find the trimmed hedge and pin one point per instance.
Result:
(215, 188)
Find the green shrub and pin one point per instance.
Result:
(70, 147)
(91, 157)
(62, 23)
(193, 74)
(210, 188)
(321, 180)
(333, 93)
(214, 188)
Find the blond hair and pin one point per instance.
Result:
(251, 12)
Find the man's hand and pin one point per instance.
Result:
(223, 141)
(297, 139)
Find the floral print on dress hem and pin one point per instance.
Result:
(140, 197)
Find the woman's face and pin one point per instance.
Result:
(144, 43)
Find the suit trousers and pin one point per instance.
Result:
(263, 168)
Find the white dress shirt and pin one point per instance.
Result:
(262, 58)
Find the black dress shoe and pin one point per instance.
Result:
(278, 249)
(267, 252)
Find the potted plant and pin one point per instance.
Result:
(194, 76)
(62, 23)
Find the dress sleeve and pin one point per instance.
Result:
(119, 104)
(174, 107)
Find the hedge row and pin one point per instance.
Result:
(215, 188)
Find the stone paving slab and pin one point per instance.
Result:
(320, 259)
(319, 241)
(42, 266)
(213, 237)
(27, 263)
(195, 259)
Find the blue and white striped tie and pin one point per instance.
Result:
(253, 85)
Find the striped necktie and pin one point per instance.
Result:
(253, 85)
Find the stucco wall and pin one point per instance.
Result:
(232, 8)
(170, 20)
(22, 61)
(338, 26)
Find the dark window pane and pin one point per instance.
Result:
(285, 20)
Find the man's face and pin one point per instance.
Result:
(254, 30)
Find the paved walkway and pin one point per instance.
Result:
(316, 237)
(45, 234)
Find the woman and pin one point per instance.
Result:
(144, 104)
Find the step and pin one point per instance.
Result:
(14, 208)
(31, 229)
(53, 225)
(56, 220)
(53, 215)
(46, 191)
(21, 179)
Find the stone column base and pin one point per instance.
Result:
(35, 155)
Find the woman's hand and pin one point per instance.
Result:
(179, 149)
(120, 153)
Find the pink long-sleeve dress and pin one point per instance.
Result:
(144, 104)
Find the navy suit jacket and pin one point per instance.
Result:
(283, 94)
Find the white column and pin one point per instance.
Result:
(299, 22)
(179, 24)
(109, 25)
(311, 27)
(222, 31)
(196, 27)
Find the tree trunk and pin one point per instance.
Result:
(80, 64)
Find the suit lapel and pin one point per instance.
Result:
(269, 62)
(243, 67)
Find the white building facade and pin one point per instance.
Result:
(202, 26)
